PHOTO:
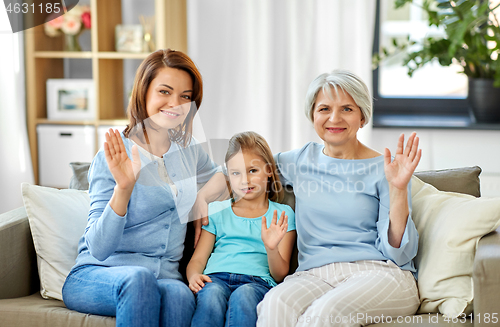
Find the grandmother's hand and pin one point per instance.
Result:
(398, 172)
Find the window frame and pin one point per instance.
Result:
(428, 106)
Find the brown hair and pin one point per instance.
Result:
(146, 72)
(251, 141)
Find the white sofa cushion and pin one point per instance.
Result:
(57, 220)
(449, 226)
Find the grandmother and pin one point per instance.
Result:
(356, 237)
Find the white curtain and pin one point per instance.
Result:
(15, 159)
(257, 58)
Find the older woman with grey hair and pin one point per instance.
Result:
(356, 237)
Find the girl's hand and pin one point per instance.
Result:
(273, 235)
(124, 170)
(197, 282)
(398, 172)
(200, 216)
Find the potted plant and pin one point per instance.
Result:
(472, 40)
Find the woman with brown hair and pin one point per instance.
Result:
(129, 255)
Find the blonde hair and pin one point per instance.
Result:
(251, 141)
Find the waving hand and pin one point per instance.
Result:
(399, 171)
(273, 235)
(124, 170)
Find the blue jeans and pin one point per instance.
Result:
(132, 294)
(229, 298)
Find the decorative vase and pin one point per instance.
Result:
(484, 100)
(71, 42)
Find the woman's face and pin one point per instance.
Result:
(248, 175)
(168, 99)
(337, 120)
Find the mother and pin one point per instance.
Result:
(356, 237)
(129, 255)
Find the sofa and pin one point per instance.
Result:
(21, 303)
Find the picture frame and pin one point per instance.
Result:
(129, 38)
(70, 99)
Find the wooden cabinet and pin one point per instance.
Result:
(44, 59)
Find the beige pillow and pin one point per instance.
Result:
(449, 227)
(57, 220)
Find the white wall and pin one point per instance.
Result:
(15, 160)
(451, 148)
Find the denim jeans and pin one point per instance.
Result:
(131, 293)
(229, 300)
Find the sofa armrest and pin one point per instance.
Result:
(18, 268)
(486, 278)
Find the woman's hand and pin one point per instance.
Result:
(200, 216)
(124, 170)
(273, 235)
(197, 282)
(398, 172)
(214, 189)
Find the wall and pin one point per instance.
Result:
(15, 162)
(452, 148)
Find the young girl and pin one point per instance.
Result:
(251, 246)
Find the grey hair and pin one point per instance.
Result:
(346, 81)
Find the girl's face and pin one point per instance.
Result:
(168, 99)
(248, 175)
(336, 120)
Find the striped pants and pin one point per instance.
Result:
(341, 294)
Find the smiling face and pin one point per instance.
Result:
(337, 120)
(248, 176)
(168, 99)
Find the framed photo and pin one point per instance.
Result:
(129, 38)
(70, 99)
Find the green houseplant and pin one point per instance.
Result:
(472, 40)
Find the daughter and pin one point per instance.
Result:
(251, 246)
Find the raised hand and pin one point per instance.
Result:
(124, 170)
(273, 235)
(197, 282)
(398, 172)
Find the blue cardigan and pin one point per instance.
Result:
(342, 209)
(152, 232)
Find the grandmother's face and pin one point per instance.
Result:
(337, 120)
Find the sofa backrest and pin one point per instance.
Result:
(18, 267)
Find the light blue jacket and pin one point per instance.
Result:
(342, 209)
(152, 232)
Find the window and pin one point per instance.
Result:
(433, 92)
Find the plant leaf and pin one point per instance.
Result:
(401, 3)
